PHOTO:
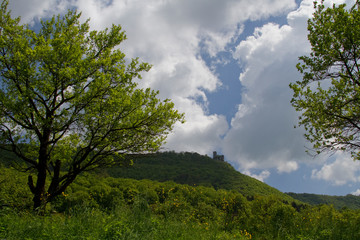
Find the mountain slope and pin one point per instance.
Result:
(349, 201)
(194, 169)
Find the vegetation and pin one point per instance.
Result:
(328, 96)
(96, 207)
(193, 169)
(339, 202)
(70, 95)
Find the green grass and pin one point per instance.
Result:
(95, 224)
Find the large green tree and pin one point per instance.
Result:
(328, 96)
(69, 102)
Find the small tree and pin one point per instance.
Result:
(69, 103)
(328, 96)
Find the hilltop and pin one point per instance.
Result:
(193, 169)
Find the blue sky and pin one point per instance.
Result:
(227, 65)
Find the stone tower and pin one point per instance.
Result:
(218, 157)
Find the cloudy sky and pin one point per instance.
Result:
(227, 65)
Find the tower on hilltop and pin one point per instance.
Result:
(218, 157)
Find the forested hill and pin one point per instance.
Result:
(348, 201)
(193, 169)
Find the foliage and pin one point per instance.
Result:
(328, 96)
(13, 191)
(95, 207)
(339, 202)
(193, 169)
(70, 94)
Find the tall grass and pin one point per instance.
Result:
(86, 223)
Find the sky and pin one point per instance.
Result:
(226, 64)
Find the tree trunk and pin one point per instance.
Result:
(54, 186)
(40, 196)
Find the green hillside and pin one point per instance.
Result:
(193, 169)
(348, 201)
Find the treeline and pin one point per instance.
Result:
(96, 207)
(348, 201)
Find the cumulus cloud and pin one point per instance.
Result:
(28, 10)
(262, 133)
(288, 167)
(261, 176)
(201, 133)
(341, 171)
(356, 193)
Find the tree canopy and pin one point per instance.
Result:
(69, 101)
(328, 96)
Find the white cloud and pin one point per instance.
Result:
(215, 42)
(339, 172)
(30, 9)
(262, 134)
(201, 133)
(261, 177)
(288, 167)
(356, 193)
